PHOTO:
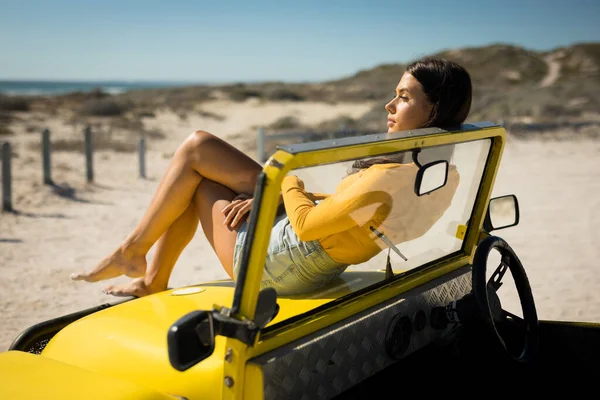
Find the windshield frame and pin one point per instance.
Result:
(290, 157)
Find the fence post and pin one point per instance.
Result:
(6, 178)
(142, 157)
(46, 156)
(89, 152)
(260, 144)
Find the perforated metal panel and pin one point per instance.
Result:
(328, 362)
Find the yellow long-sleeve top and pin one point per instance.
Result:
(381, 196)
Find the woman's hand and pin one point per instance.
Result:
(236, 211)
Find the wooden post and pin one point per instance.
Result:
(142, 157)
(6, 178)
(260, 144)
(89, 152)
(46, 156)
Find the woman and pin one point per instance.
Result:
(199, 187)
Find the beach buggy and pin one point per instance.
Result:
(430, 307)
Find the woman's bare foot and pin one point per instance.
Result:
(121, 262)
(136, 288)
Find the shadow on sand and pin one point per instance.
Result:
(6, 240)
(36, 215)
(61, 190)
(66, 192)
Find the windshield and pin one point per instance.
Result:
(353, 214)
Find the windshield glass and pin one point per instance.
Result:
(349, 215)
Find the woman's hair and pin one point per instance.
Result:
(447, 86)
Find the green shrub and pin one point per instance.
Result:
(280, 94)
(5, 131)
(288, 122)
(104, 107)
(240, 92)
(15, 103)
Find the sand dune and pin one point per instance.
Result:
(72, 225)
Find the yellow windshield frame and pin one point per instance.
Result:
(287, 158)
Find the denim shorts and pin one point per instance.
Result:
(291, 266)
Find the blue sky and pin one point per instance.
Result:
(234, 41)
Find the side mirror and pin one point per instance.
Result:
(503, 212)
(191, 339)
(431, 177)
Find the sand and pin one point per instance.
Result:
(71, 226)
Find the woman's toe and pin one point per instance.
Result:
(78, 277)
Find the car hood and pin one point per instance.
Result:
(27, 376)
(129, 341)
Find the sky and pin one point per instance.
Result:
(240, 41)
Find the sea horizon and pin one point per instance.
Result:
(40, 87)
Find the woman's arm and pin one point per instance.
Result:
(318, 196)
(354, 206)
(312, 196)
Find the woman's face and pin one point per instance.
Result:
(410, 109)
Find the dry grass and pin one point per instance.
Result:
(121, 140)
(211, 115)
(78, 145)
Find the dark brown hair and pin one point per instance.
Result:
(447, 86)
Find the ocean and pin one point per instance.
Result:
(40, 88)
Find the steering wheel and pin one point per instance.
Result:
(488, 301)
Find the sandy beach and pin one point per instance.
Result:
(72, 225)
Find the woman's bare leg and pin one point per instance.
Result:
(168, 248)
(202, 155)
(209, 199)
